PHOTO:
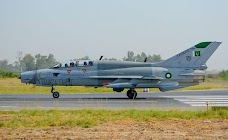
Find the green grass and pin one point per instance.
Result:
(206, 86)
(90, 118)
(14, 86)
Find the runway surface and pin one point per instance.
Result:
(187, 100)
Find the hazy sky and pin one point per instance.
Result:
(73, 29)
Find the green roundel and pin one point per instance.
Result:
(168, 75)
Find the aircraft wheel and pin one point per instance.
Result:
(55, 94)
(131, 94)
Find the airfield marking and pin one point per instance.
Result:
(191, 100)
(84, 100)
(5, 106)
(209, 100)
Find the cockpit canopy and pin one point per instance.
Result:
(78, 63)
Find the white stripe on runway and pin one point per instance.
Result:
(7, 106)
(210, 100)
(195, 96)
(202, 100)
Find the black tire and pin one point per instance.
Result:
(131, 94)
(55, 94)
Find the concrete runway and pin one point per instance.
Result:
(187, 100)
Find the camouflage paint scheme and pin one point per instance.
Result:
(182, 70)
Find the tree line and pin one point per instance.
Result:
(141, 57)
(223, 74)
(29, 62)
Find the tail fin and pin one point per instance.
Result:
(194, 57)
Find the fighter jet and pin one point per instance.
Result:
(182, 70)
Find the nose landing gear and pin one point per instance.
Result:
(55, 94)
(131, 94)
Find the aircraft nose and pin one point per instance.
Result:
(27, 77)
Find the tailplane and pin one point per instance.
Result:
(194, 57)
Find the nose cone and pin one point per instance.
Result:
(28, 77)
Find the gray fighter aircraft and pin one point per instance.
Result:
(182, 70)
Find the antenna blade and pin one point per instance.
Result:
(101, 57)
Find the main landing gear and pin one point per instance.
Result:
(55, 94)
(131, 94)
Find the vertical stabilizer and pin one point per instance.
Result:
(194, 57)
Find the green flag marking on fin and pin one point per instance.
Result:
(202, 45)
(197, 53)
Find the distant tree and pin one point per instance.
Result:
(40, 61)
(223, 74)
(154, 58)
(83, 58)
(114, 59)
(51, 60)
(44, 61)
(141, 57)
(4, 64)
(29, 62)
(18, 63)
(13, 68)
(130, 56)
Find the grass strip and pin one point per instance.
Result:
(14, 86)
(90, 118)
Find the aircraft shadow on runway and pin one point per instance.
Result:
(85, 99)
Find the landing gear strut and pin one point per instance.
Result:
(131, 94)
(55, 94)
